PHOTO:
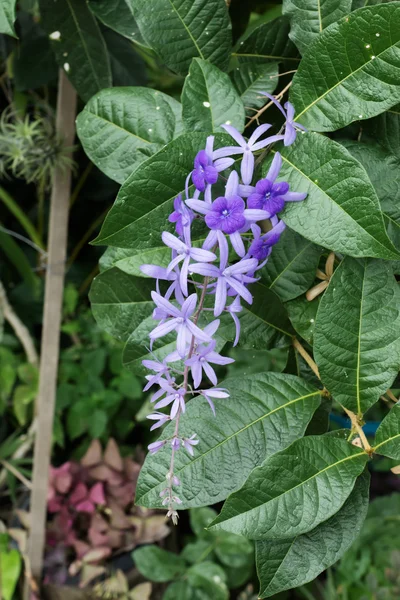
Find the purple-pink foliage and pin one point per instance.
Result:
(234, 250)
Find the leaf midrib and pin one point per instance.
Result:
(264, 416)
(387, 441)
(351, 457)
(289, 264)
(187, 29)
(342, 80)
(126, 131)
(358, 368)
(274, 57)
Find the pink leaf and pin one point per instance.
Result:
(93, 455)
(112, 456)
(85, 506)
(96, 494)
(79, 494)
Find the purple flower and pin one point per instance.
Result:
(291, 127)
(155, 446)
(246, 148)
(160, 368)
(176, 398)
(160, 273)
(270, 196)
(227, 214)
(182, 215)
(200, 360)
(175, 443)
(160, 418)
(214, 393)
(209, 329)
(188, 443)
(261, 246)
(179, 321)
(227, 277)
(233, 309)
(185, 252)
(205, 172)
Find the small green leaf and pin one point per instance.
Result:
(78, 44)
(121, 127)
(309, 17)
(118, 15)
(193, 28)
(341, 211)
(7, 17)
(302, 315)
(265, 412)
(356, 58)
(210, 579)
(209, 99)
(11, 565)
(120, 302)
(252, 79)
(157, 564)
(285, 564)
(387, 439)
(268, 42)
(297, 489)
(291, 268)
(98, 423)
(357, 333)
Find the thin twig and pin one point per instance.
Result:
(19, 328)
(264, 108)
(356, 425)
(16, 474)
(303, 352)
(392, 396)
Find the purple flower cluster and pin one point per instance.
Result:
(235, 248)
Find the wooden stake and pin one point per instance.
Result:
(52, 311)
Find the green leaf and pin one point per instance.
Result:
(233, 550)
(34, 64)
(210, 579)
(139, 216)
(268, 42)
(11, 565)
(180, 590)
(120, 302)
(265, 412)
(291, 268)
(302, 315)
(385, 129)
(118, 15)
(387, 439)
(342, 211)
(250, 79)
(356, 59)
(7, 17)
(78, 44)
(98, 423)
(120, 128)
(294, 490)
(357, 333)
(285, 564)
(209, 99)
(157, 564)
(309, 17)
(192, 28)
(384, 172)
(127, 66)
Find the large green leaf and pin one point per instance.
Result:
(356, 60)
(78, 44)
(385, 129)
(140, 212)
(342, 210)
(7, 17)
(387, 439)
(384, 172)
(357, 333)
(120, 302)
(294, 490)
(309, 17)
(190, 28)
(268, 42)
(120, 128)
(209, 99)
(265, 413)
(291, 268)
(252, 78)
(285, 564)
(34, 64)
(127, 66)
(118, 15)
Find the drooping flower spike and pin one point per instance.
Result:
(198, 277)
(291, 127)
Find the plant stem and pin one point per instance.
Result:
(19, 328)
(23, 220)
(264, 108)
(58, 227)
(185, 386)
(303, 352)
(80, 184)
